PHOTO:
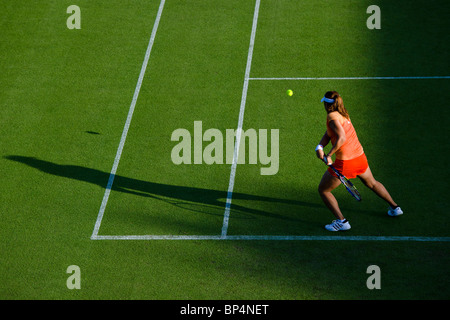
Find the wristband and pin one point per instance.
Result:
(319, 147)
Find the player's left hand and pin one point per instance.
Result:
(328, 160)
(320, 154)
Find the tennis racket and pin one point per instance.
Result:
(346, 182)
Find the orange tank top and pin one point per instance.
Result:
(351, 148)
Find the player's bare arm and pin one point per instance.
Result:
(337, 128)
(323, 142)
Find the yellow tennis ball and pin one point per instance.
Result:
(290, 92)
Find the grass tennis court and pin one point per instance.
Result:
(87, 177)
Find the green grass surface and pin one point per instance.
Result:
(64, 99)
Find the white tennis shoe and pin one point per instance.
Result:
(338, 225)
(395, 212)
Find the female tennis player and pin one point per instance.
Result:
(350, 161)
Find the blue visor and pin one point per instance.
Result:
(327, 100)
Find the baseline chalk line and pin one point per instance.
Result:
(353, 78)
(272, 238)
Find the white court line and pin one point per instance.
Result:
(274, 237)
(226, 215)
(356, 78)
(127, 123)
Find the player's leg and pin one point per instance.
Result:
(379, 189)
(328, 184)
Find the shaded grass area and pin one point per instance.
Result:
(220, 270)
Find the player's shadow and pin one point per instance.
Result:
(176, 195)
